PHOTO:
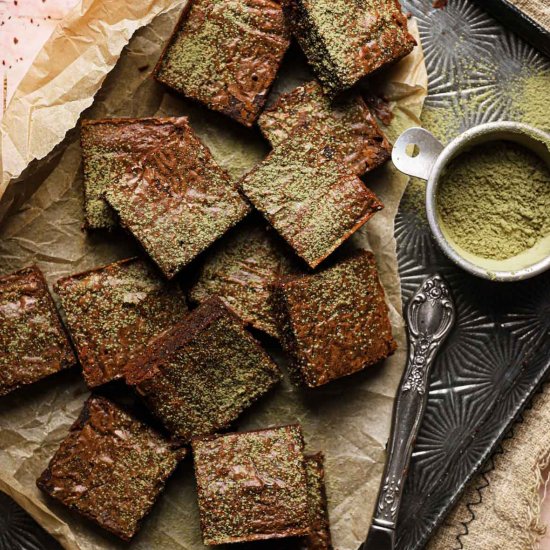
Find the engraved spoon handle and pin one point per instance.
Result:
(430, 316)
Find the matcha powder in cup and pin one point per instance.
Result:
(493, 201)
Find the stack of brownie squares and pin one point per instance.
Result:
(225, 264)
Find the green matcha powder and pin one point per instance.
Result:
(494, 200)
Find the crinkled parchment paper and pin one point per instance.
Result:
(41, 216)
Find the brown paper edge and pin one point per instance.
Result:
(65, 76)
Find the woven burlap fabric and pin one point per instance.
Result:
(501, 508)
(538, 10)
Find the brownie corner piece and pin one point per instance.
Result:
(360, 143)
(33, 341)
(113, 311)
(226, 54)
(313, 201)
(110, 468)
(199, 376)
(237, 500)
(345, 40)
(177, 200)
(240, 269)
(335, 322)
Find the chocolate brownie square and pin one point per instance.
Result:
(320, 537)
(200, 375)
(177, 201)
(112, 146)
(252, 485)
(115, 310)
(361, 145)
(334, 322)
(225, 54)
(33, 342)
(345, 40)
(239, 270)
(111, 468)
(308, 196)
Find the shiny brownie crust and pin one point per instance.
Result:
(312, 200)
(33, 342)
(114, 310)
(345, 40)
(200, 375)
(360, 144)
(177, 201)
(241, 267)
(225, 54)
(110, 147)
(111, 468)
(252, 485)
(334, 322)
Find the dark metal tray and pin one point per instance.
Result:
(499, 350)
(514, 18)
(19, 531)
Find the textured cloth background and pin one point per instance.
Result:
(538, 10)
(501, 508)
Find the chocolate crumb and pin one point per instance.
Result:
(381, 108)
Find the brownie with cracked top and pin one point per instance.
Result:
(114, 310)
(177, 200)
(200, 375)
(252, 485)
(335, 322)
(33, 342)
(239, 270)
(361, 145)
(345, 40)
(109, 148)
(313, 201)
(225, 54)
(320, 537)
(111, 468)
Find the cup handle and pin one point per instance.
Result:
(423, 150)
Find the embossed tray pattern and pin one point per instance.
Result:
(499, 351)
(19, 531)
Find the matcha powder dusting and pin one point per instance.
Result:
(494, 200)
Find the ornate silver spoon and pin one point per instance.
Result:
(430, 316)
